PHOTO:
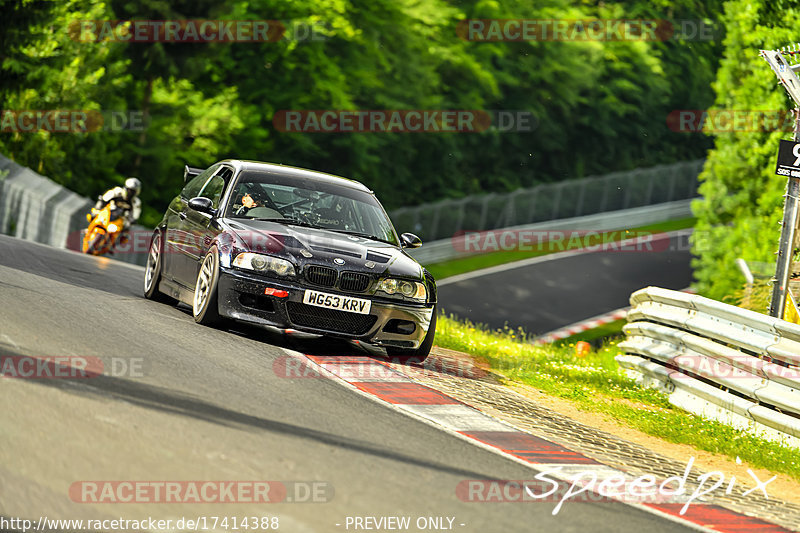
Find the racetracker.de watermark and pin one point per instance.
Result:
(712, 121)
(177, 31)
(585, 30)
(70, 121)
(292, 367)
(500, 240)
(69, 367)
(743, 367)
(138, 242)
(403, 121)
(231, 491)
(542, 240)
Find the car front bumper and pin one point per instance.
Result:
(241, 297)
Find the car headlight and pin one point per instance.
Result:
(264, 263)
(410, 289)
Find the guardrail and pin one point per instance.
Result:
(35, 208)
(716, 360)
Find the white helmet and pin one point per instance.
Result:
(134, 185)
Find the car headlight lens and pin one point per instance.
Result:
(258, 262)
(407, 289)
(410, 289)
(389, 286)
(264, 263)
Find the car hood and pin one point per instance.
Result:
(319, 246)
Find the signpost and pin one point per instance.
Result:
(789, 166)
(788, 159)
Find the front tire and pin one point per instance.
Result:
(97, 244)
(152, 272)
(400, 355)
(204, 307)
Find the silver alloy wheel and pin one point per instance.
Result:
(203, 288)
(152, 261)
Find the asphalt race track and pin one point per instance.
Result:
(186, 402)
(554, 291)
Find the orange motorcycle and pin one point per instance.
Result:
(105, 227)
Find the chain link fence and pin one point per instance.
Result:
(551, 201)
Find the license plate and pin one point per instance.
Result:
(337, 301)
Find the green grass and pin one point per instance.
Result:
(478, 261)
(595, 383)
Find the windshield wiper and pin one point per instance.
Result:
(360, 234)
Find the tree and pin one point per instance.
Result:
(20, 17)
(740, 211)
(599, 106)
(55, 71)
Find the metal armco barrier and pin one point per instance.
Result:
(34, 208)
(707, 353)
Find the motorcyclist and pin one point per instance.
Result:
(125, 198)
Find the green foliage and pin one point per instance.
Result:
(595, 383)
(600, 106)
(60, 74)
(740, 212)
(19, 17)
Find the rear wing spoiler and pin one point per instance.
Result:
(190, 172)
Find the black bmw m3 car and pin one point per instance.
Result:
(291, 248)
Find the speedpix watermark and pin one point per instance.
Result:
(595, 485)
(492, 30)
(138, 491)
(70, 121)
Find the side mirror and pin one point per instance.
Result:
(203, 205)
(409, 240)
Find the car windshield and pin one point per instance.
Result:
(310, 203)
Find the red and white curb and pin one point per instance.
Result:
(583, 325)
(378, 381)
(589, 323)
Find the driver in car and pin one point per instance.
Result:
(256, 204)
(249, 202)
